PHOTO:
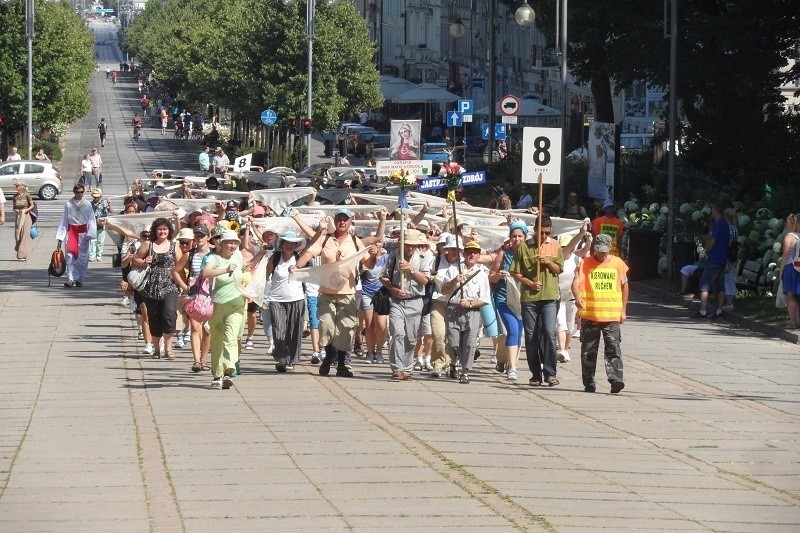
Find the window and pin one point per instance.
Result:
(33, 168)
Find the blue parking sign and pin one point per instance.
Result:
(464, 107)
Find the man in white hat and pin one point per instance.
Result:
(220, 161)
(101, 210)
(406, 279)
(449, 256)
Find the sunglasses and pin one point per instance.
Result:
(184, 243)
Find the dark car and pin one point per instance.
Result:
(354, 137)
(368, 142)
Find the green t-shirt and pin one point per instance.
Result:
(524, 262)
(225, 290)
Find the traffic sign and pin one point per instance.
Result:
(499, 132)
(510, 105)
(464, 107)
(268, 117)
(541, 154)
(454, 119)
(509, 119)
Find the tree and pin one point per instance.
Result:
(63, 61)
(730, 56)
(255, 56)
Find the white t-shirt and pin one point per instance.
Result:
(281, 288)
(86, 165)
(477, 288)
(14, 157)
(567, 276)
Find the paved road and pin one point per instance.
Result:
(93, 437)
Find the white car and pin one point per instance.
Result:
(41, 177)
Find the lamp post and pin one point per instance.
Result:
(29, 31)
(310, 15)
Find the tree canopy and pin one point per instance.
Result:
(247, 55)
(63, 50)
(732, 56)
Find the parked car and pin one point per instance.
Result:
(354, 137)
(436, 152)
(42, 178)
(372, 141)
(379, 154)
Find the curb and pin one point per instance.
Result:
(734, 317)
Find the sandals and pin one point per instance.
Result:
(205, 367)
(197, 367)
(552, 381)
(169, 354)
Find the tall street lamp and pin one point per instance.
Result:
(525, 16)
(310, 15)
(29, 32)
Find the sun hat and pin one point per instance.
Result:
(218, 230)
(415, 237)
(472, 245)
(229, 235)
(443, 238)
(97, 193)
(185, 234)
(602, 243)
(453, 242)
(520, 225)
(343, 211)
(291, 236)
(565, 238)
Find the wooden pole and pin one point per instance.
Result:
(539, 229)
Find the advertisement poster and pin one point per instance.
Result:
(602, 156)
(405, 136)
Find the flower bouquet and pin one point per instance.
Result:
(403, 178)
(452, 176)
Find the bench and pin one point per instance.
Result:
(749, 278)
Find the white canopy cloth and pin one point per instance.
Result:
(279, 199)
(331, 275)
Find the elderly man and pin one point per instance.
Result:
(77, 228)
(405, 278)
(220, 161)
(336, 307)
(97, 170)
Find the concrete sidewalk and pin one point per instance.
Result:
(98, 438)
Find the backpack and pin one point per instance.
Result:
(102, 128)
(58, 265)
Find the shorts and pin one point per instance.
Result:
(565, 318)
(138, 299)
(713, 278)
(252, 307)
(163, 123)
(424, 326)
(313, 319)
(366, 303)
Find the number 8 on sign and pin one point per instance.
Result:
(541, 153)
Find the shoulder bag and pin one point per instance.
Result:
(138, 277)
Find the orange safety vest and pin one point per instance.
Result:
(611, 226)
(601, 288)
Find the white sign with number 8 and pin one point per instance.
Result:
(242, 164)
(541, 153)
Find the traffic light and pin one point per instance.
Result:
(306, 126)
(293, 125)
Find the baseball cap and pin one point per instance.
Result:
(565, 238)
(344, 211)
(231, 205)
(602, 243)
(472, 245)
(201, 229)
(151, 195)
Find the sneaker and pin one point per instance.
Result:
(148, 349)
(563, 356)
(78, 284)
(577, 334)
(617, 386)
(270, 347)
(316, 358)
(344, 372)
(368, 359)
(417, 366)
(427, 366)
(280, 367)
(493, 359)
(701, 316)
(187, 339)
(140, 335)
(216, 383)
(289, 366)
(378, 359)
(227, 382)
(500, 367)
(325, 366)
(248, 344)
(512, 374)
(463, 378)
(179, 341)
(452, 372)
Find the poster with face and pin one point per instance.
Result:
(405, 135)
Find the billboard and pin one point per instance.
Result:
(404, 140)
(602, 152)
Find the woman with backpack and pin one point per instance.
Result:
(790, 269)
(287, 302)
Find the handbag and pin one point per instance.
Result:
(138, 277)
(198, 304)
(381, 302)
